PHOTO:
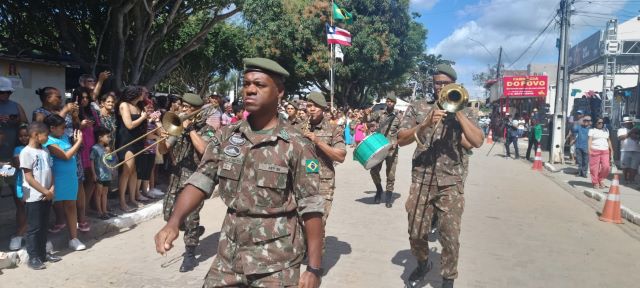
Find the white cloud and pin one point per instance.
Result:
(423, 4)
(513, 25)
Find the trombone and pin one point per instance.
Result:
(171, 123)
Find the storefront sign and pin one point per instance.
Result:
(525, 86)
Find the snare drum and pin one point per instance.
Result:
(372, 150)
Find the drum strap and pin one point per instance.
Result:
(390, 120)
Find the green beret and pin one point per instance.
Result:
(264, 65)
(392, 96)
(318, 98)
(447, 70)
(192, 99)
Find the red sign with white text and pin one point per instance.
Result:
(525, 86)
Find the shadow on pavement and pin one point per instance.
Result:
(405, 259)
(208, 247)
(570, 170)
(369, 199)
(334, 249)
(577, 183)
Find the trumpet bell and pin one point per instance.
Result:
(453, 98)
(172, 123)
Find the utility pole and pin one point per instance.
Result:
(499, 78)
(562, 86)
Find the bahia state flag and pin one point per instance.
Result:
(336, 35)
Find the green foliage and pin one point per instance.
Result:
(386, 41)
(205, 69)
(132, 38)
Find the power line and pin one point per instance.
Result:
(534, 40)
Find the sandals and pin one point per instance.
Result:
(84, 226)
(57, 228)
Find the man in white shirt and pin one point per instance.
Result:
(629, 149)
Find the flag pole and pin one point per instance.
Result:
(331, 60)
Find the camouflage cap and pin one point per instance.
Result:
(318, 98)
(392, 96)
(192, 99)
(264, 65)
(447, 70)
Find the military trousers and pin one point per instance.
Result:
(285, 278)
(257, 252)
(191, 223)
(445, 202)
(390, 161)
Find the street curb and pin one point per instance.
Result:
(627, 213)
(125, 221)
(101, 227)
(550, 167)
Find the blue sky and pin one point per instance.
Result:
(456, 26)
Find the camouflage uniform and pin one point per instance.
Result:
(185, 160)
(267, 180)
(379, 121)
(437, 187)
(334, 136)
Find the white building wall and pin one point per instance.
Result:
(33, 76)
(629, 30)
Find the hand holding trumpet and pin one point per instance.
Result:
(433, 118)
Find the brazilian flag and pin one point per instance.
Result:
(312, 166)
(341, 14)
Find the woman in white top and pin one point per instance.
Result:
(600, 153)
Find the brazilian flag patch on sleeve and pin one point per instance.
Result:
(313, 166)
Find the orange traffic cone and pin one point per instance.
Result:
(490, 137)
(537, 161)
(611, 212)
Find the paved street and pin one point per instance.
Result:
(520, 229)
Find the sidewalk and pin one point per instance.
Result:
(566, 173)
(100, 229)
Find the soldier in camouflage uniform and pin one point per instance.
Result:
(385, 122)
(329, 141)
(439, 169)
(268, 176)
(185, 156)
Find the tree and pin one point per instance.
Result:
(123, 35)
(419, 77)
(480, 79)
(205, 69)
(386, 40)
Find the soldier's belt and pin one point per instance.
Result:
(245, 214)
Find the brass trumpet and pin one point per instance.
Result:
(171, 123)
(453, 98)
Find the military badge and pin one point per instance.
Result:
(312, 166)
(232, 151)
(236, 139)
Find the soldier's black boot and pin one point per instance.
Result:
(418, 274)
(199, 231)
(189, 262)
(378, 196)
(388, 201)
(447, 283)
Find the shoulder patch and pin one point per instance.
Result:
(284, 134)
(312, 166)
(213, 138)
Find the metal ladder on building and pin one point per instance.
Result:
(611, 49)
